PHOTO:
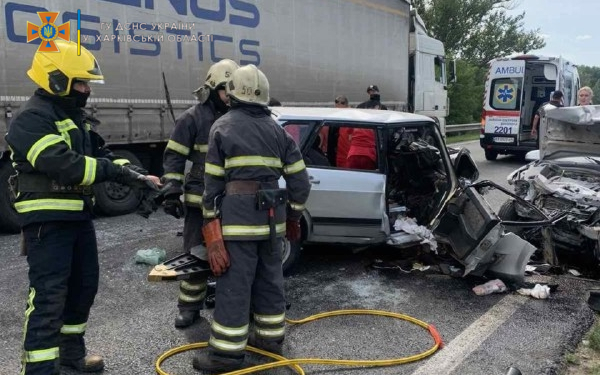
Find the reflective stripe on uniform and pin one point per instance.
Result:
(42, 144)
(120, 161)
(49, 204)
(201, 147)
(178, 147)
(192, 287)
(229, 331)
(196, 199)
(297, 206)
(269, 319)
(251, 230)
(227, 346)
(214, 169)
(295, 167)
(253, 161)
(191, 299)
(270, 332)
(209, 214)
(72, 329)
(63, 128)
(89, 174)
(49, 354)
(173, 176)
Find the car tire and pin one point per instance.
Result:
(508, 211)
(9, 219)
(491, 155)
(114, 199)
(290, 255)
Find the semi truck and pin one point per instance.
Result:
(155, 53)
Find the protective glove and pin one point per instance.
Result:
(218, 257)
(173, 206)
(292, 230)
(134, 179)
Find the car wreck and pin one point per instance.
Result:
(564, 183)
(417, 195)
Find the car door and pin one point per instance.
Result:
(345, 205)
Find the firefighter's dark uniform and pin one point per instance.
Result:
(58, 159)
(249, 151)
(189, 141)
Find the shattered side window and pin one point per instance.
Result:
(506, 93)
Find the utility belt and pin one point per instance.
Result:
(40, 183)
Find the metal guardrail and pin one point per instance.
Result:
(462, 128)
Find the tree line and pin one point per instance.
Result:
(473, 33)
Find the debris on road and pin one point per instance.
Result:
(492, 286)
(539, 291)
(151, 256)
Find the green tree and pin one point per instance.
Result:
(466, 95)
(590, 76)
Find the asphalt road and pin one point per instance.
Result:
(131, 323)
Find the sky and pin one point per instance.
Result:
(569, 27)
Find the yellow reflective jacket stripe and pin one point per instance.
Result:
(49, 204)
(294, 168)
(178, 147)
(193, 198)
(253, 161)
(120, 161)
(209, 214)
(71, 329)
(229, 331)
(227, 346)
(251, 230)
(89, 174)
(173, 176)
(42, 144)
(64, 127)
(270, 319)
(201, 147)
(41, 355)
(214, 169)
(270, 332)
(297, 206)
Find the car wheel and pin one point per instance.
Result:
(9, 220)
(508, 212)
(491, 155)
(290, 254)
(115, 199)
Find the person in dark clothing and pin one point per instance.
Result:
(556, 100)
(316, 156)
(189, 141)
(58, 158)
(374, 96)
(274, 103)
(247, 154)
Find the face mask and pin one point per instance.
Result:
(80, 98)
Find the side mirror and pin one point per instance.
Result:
(465, 167)
(452, 71)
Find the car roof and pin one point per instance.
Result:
(346, 115)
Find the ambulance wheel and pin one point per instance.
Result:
(491, 155)
(112, 198)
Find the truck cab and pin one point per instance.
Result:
(516, 87)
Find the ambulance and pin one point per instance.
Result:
(515, 88)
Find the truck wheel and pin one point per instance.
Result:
(290, 255)
(491, 155)
(9, 219)
(509, 212)
(112, 198)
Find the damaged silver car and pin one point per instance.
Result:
(564, 184)
(415, 194)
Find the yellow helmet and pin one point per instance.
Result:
(55, 71)
(249, 85)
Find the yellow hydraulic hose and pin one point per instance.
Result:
(294, 363)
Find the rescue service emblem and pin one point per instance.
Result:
(48, 32)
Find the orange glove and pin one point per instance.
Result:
(218, 257)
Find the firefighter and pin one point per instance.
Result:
(57, 160)
(189, 141)
(247, 154)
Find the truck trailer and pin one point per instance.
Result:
(155, 53)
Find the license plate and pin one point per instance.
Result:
(504, 139)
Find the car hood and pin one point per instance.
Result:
(570, 132)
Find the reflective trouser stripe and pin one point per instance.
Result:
(297, 206)
(250, 230)
(49, 204)
(227, 346)
(41, 355)
(73, 329)
(270, 332)
(269, 319)
(208, 214)
(193, 287)
(193, 199)
(187, 298)
(229, 331)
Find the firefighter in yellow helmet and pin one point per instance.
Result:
(58, 158)
(247, 154)
(189, 141)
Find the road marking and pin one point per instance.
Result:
(452, 355)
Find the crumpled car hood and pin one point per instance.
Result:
(570, 131)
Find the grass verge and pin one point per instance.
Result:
(585, 360)
(462, 137)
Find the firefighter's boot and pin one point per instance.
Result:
(273, 346)
(73, 354)
(186, 318)
(214, 362)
